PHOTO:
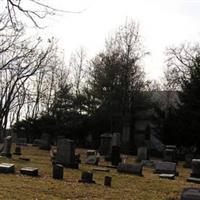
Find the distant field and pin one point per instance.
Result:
(124, 187)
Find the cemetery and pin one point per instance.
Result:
(117, 123)
(64, 177)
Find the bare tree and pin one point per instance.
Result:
(180, 63)
(20, 60)
(78, 65)
(34, 10)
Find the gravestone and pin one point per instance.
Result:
(36, 142)
(170, 153)
(195, 175)
(165, 168)
(29, 171)
(142, 153)
(18, 151)
(135, 169)
(190, 194)
(107, 181)
(115, 155)
(45, 142)
(167, 176)
(7, 147)
(115, 139)
(126, 133)
(59, 137)
(66, 153)
(188, 161)
(57, 171)
(105, 144)
(87, 177)
(140, 139)
(7, 168)
(91, 153)
(92, 160)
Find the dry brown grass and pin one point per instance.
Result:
(124, 187)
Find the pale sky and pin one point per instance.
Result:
(162, 23)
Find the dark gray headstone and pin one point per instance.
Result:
(7, 168)
(92, 160)
(87, 177)
(115, 139)
(45, 142)
(107, 181)
(7, 147)
(165, 168)
(195, 168)
(57, 171)
(188, 161)
(135, 169)
(190, 194)
(195, 175)
(66, 153)
(105, 144)
(115, 155)
(170, 153)
(29, 171)
(142, 153)
(18, 151)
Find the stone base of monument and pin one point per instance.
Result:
(8, 155)
(165, 168)
(167, 176)
(190, 194)
(87, 177)
(71, 165)
(101, 169)
(92, 160)
(7, 168)
(29, 171)
(58, 171)
(193, 180)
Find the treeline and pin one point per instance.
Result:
(39, 93)
(89, 96)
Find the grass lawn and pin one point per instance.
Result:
(124, 187)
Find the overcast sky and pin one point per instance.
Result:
(162, 23)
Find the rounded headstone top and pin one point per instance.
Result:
(196, 161)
